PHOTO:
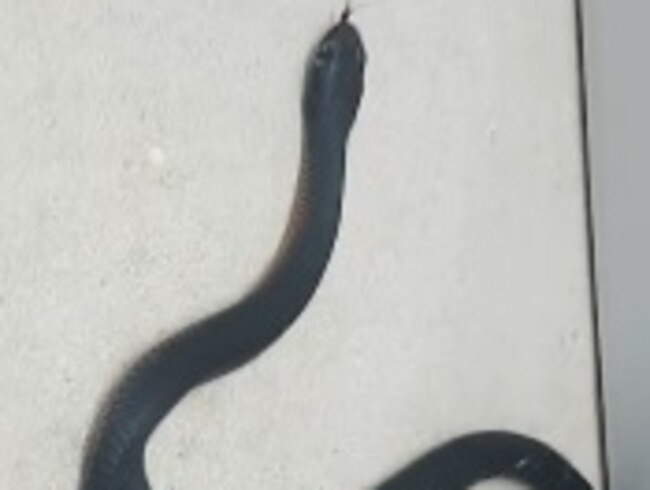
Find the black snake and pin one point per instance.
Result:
(225, 341)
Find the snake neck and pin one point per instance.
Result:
(308, 240)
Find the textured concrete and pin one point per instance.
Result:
(148, 153)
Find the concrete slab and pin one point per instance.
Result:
(149, 152)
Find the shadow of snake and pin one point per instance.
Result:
(219, 344)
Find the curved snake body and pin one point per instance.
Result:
(227, 340)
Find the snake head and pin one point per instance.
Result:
(335, 71)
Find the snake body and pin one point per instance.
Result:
(223, 342)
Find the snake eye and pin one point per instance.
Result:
(325, 52)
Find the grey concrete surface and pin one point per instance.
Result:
(148, 152)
